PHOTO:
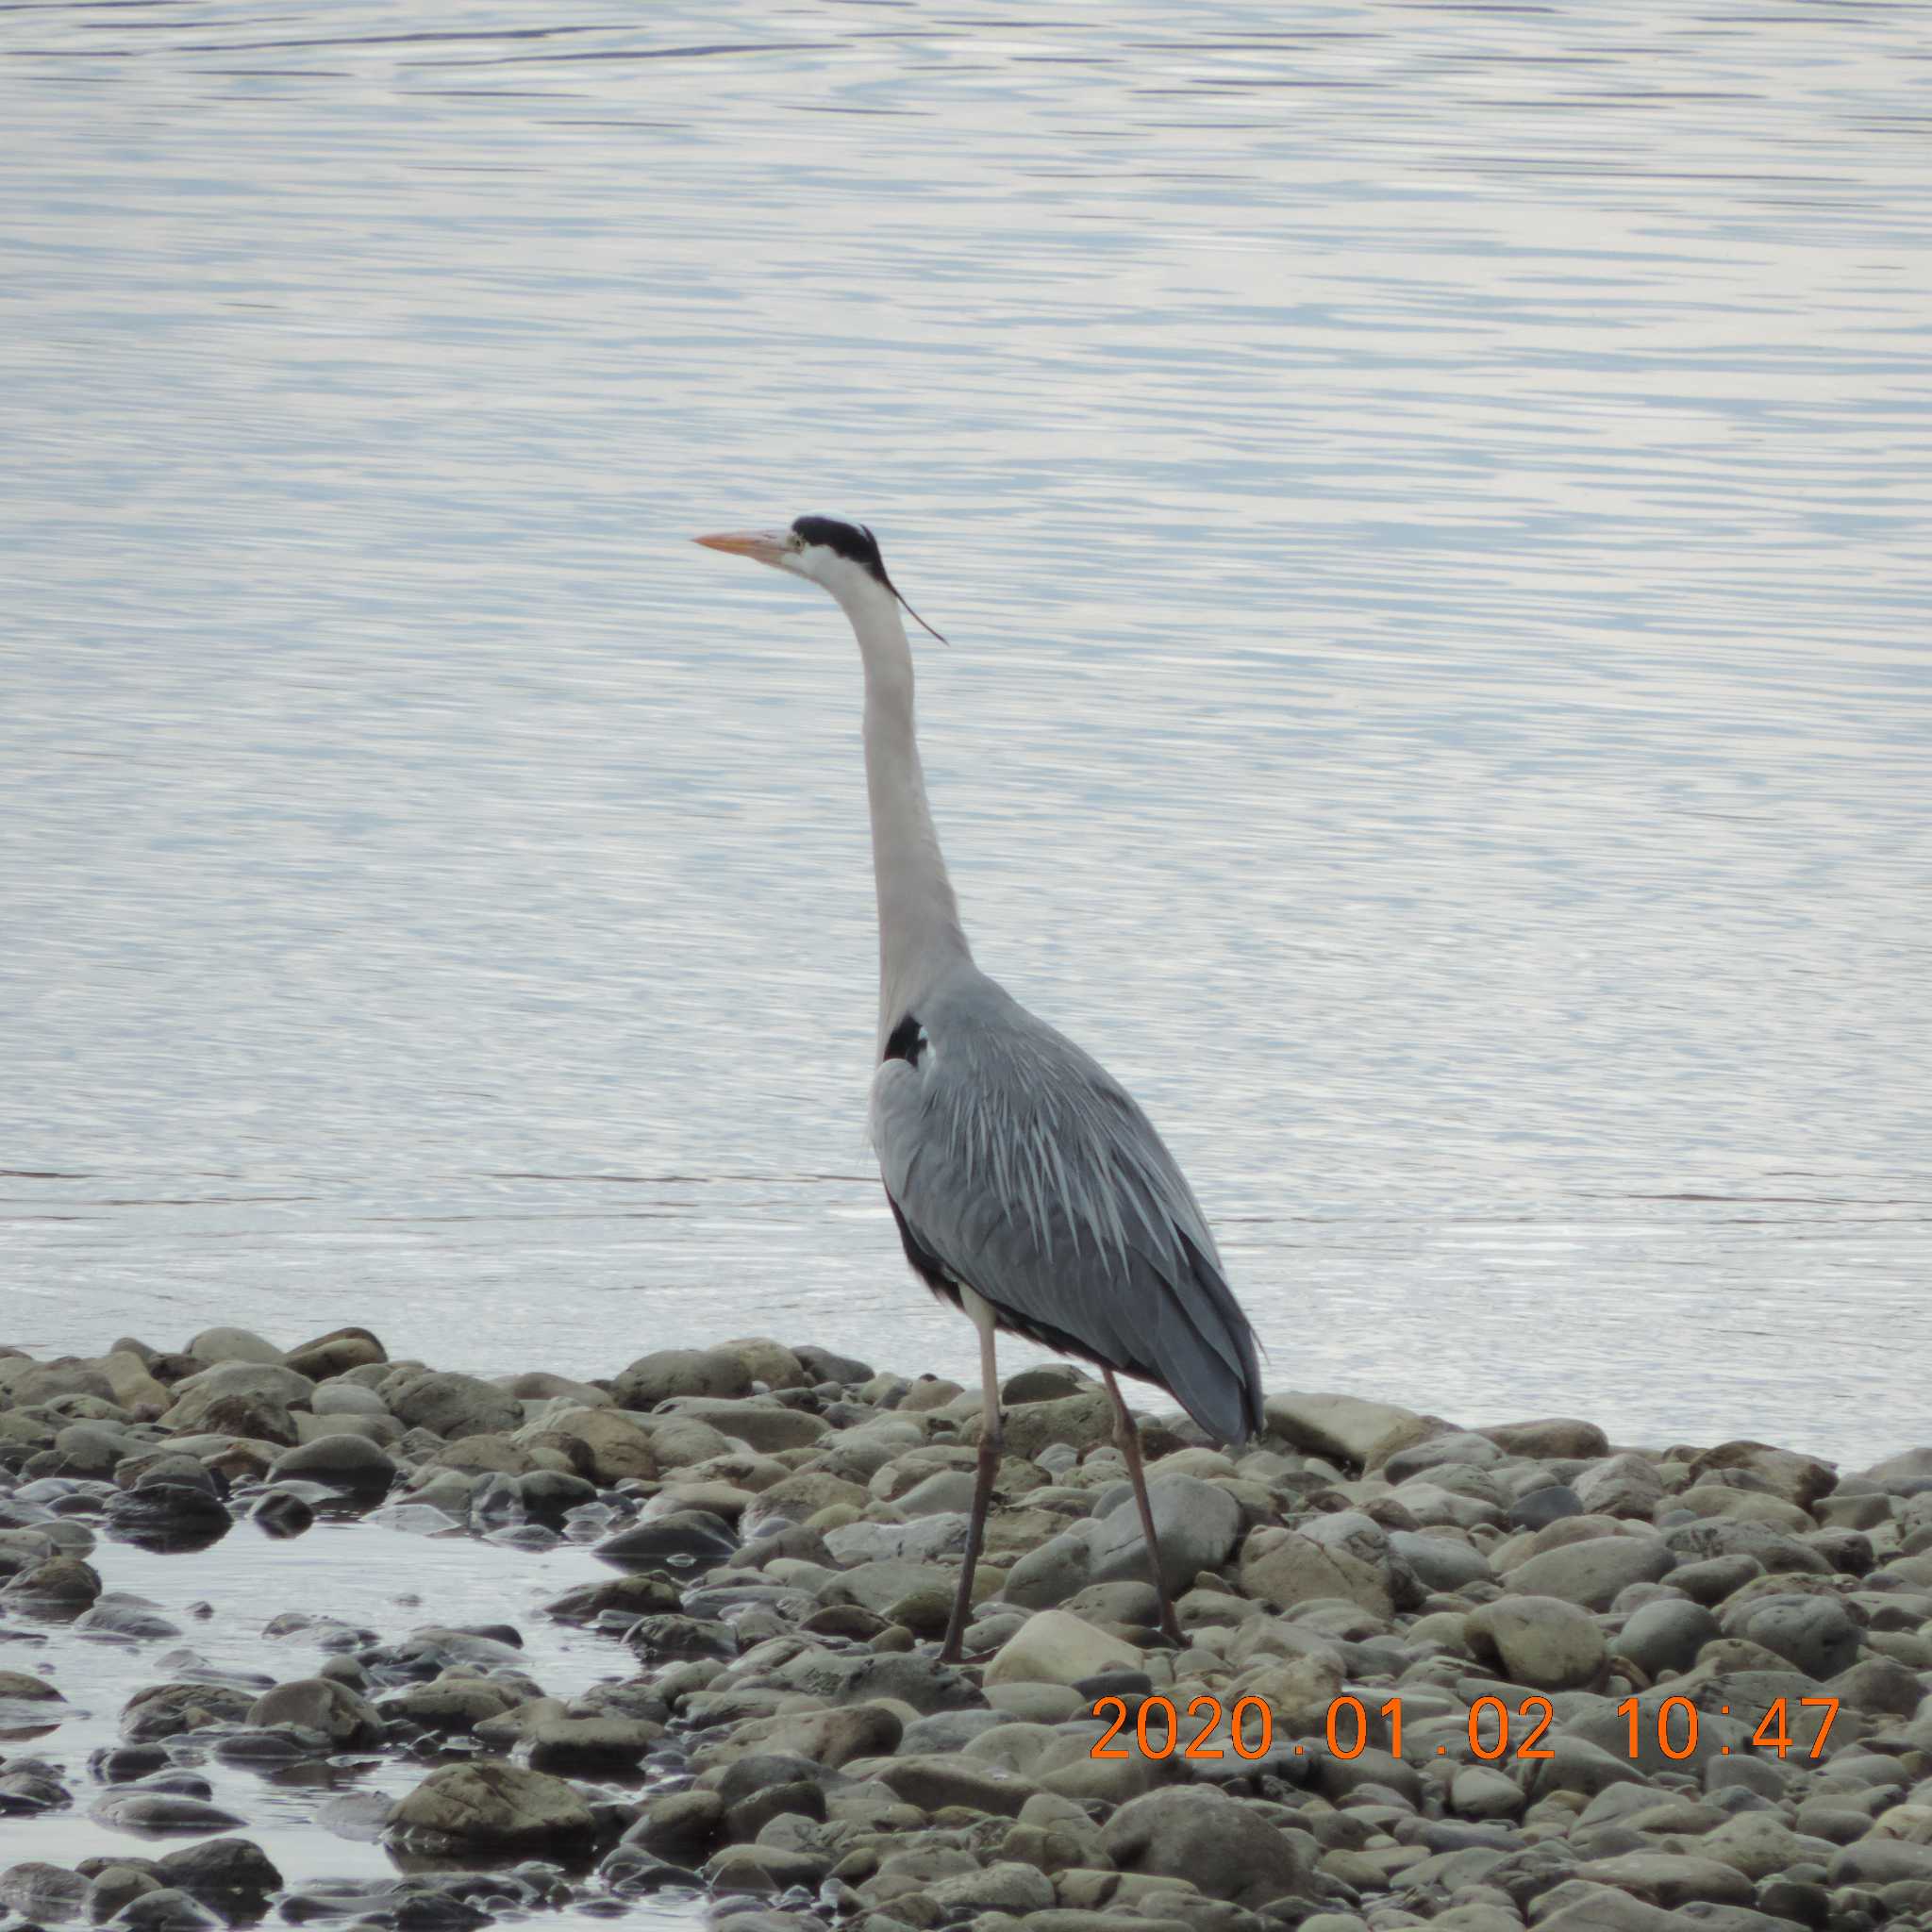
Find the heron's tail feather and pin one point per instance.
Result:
(1210, 1360)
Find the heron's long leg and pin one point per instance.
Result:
(989, 1434)
(1130, 1447)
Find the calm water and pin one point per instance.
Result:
(1433, 505)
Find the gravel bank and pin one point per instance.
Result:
(1480, 1678)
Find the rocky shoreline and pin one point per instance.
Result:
(1480, 1678)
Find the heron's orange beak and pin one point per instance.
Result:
(765, 546)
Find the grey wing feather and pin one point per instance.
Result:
(1023, 1167)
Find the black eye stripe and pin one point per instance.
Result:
(851, 540)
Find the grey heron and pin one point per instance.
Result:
(1029, 1190)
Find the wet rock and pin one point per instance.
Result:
(167, 1908)
(832, 1738)
(758, 1868)
(320, 1704)
(923, 1682)
(484, 1454)
(675, 1638)
(18, 1687)
(30, 1788)
(625, 1596)
(685, 1539)
(679, 1828)
(282, 1513)
(59, 1583)
(487, 1803)
(118, 1613)
(44, 1892)
(165, 1710)
(456, 1701)
(549, 1495)
(228, 1872)
(166, 1512)
(131, 1809)
(592, 1746)
(115, 1887)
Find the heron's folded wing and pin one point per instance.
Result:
(1031, 1174)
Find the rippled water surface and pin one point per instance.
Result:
(1431, 508)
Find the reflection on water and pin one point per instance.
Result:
(1431, 505)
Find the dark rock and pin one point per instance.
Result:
(167, 1908)
(62, 1583)
(124, 1762)
(320, 1704)
(489, 1803)
(42, 1891)
(129, 1807)
(684, 1540)
(281, 1514)
(665, 1639)
(169, 1514)
(344, 1462)
(592, 1746)
(1664, 1636)
(550, 1494)
(116, 1886)
(1165, 1833)
(641, 1595)
(1545, 1506)
(682, 1828)
(165, 1710)
(822, 1365)
(118, 1614)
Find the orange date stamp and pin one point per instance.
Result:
(1156, 1727)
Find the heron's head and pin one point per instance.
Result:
(840, 557)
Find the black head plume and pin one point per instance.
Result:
(857, 544)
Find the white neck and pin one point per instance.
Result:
(919, 936)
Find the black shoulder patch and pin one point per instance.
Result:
(852, 540)
(905, 1041)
